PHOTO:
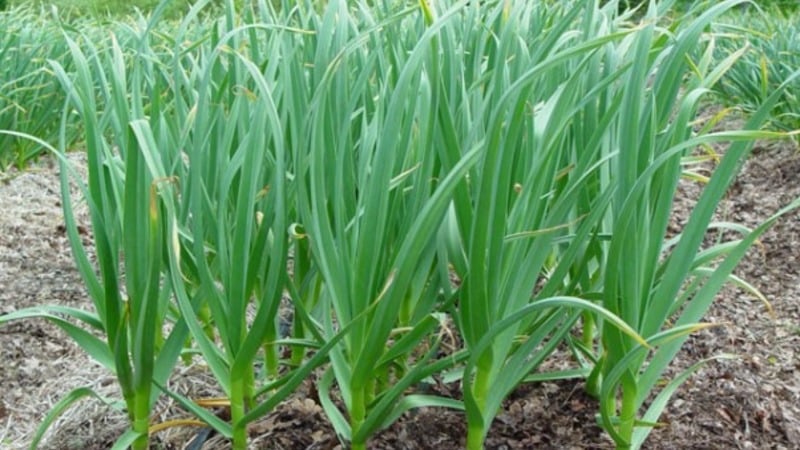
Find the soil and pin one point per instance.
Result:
(748, 402)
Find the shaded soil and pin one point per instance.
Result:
(751, 401)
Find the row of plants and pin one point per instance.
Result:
(773, 37)
(75, 9)
(31, 99)
(786, 6)
(503, 171)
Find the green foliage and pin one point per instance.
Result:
(124, 193)
(76, 9)
(784, 6)
(772, 55)
(682, 6)
(531, 150)
(31, 99)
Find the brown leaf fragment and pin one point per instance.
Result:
(725, 415)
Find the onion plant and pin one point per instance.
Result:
(369, 199)
(525, 215)
(31, 98)
(661, 290)
(772, 56)
(230, 238)
(387, 171)
(576, 128)
(126, 193)
(233, 189)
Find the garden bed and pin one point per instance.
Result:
(752, 401)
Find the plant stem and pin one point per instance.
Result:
(358, 412)
(627, 415)
(475, 436)
(595, 378)
(587, 334)
(271, 357)
(298, 351)
(476, 428)
(237, 412)
(140, 422)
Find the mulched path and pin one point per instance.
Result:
(750, 402)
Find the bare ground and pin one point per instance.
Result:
(751, 402)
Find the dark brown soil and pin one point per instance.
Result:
(750, 402)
